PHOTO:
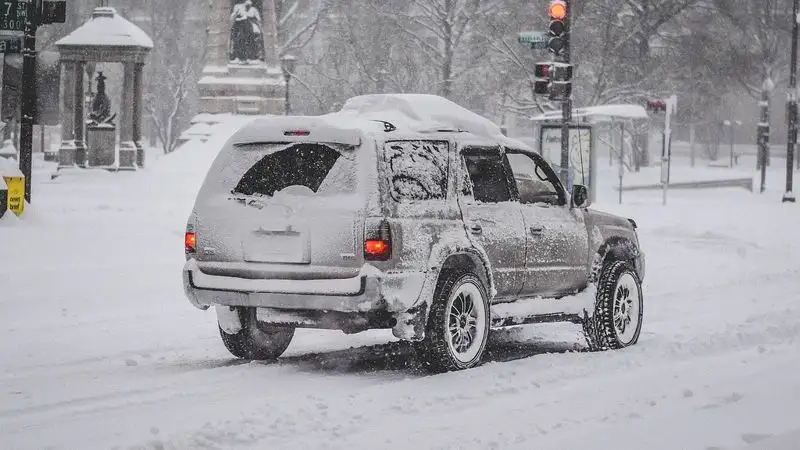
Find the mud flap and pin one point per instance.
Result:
(229, 320)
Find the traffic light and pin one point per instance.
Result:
(542, 72)
(553, 79)
(558, 32)
(53, 11)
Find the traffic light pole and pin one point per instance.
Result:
(566, 109)
(28, 102)
(791, 146)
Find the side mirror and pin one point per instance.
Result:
(580, 196)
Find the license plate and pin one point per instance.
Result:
(276, 248)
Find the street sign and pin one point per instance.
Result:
(13, 15)
(530, 37)
(10, 44)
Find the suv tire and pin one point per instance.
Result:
(458, 324)
(257, 341)
(617, 320)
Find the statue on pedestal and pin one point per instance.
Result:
(101, 105)
(247, 41)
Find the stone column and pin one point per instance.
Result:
(66, 152)
(127, 148)
(217, 53)
(269, 23)
(138, 70)
(81, 158)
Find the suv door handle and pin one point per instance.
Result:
(537, 231)
(476, 228)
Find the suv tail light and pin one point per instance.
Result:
(190, 242)
(378, 242)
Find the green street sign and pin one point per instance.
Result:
(531, 37)
(13, 15)
(537, 39)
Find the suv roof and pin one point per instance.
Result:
(385, 117)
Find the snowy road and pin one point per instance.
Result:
(100, 349)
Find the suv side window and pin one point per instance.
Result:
(488, 176)
(536, 182)
(417, 170)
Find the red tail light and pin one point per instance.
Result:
(190, 242)
(378, 243)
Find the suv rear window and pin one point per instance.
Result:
(417, 170)
(266, 169)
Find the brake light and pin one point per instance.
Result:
(375, 249)
(378, 243)
(296, 133)
(190, 242)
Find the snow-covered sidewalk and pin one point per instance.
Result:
(100, 349)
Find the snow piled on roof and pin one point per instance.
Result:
(107, 28)
(419, 112)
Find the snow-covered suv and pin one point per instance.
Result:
(404, 212)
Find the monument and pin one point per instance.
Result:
(106, 37)
(101, 132)
(242, 74)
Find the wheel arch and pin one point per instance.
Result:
(615, 248)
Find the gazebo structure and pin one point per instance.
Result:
(105, 38)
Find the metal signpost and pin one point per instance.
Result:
(19, 20)
(666, 160)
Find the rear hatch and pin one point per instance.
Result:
(282, 211)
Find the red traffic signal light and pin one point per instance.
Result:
(542, 70)
(558, 27)
(557, 10)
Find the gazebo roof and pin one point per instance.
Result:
(107, 28)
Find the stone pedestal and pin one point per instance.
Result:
(127, 156)
(101, 145)
(241, 89)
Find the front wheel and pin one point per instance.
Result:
(256, 340)
(458, 324)
(617, 320)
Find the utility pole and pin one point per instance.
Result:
(791, 145)
(39, 12)
(28, 103)
(566, 106)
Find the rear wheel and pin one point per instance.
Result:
(617, 321)
(458, 324)
(257, 340)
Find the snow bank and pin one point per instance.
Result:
(9, 168)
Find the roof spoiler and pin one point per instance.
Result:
(295, 129)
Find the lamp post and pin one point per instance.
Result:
(287, 65)
(731, 124)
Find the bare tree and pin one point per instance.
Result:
(176, 61)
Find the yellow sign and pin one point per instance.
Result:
(16, 194)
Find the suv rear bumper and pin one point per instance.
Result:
(370, 291)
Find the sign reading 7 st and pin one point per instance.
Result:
(13, 14)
